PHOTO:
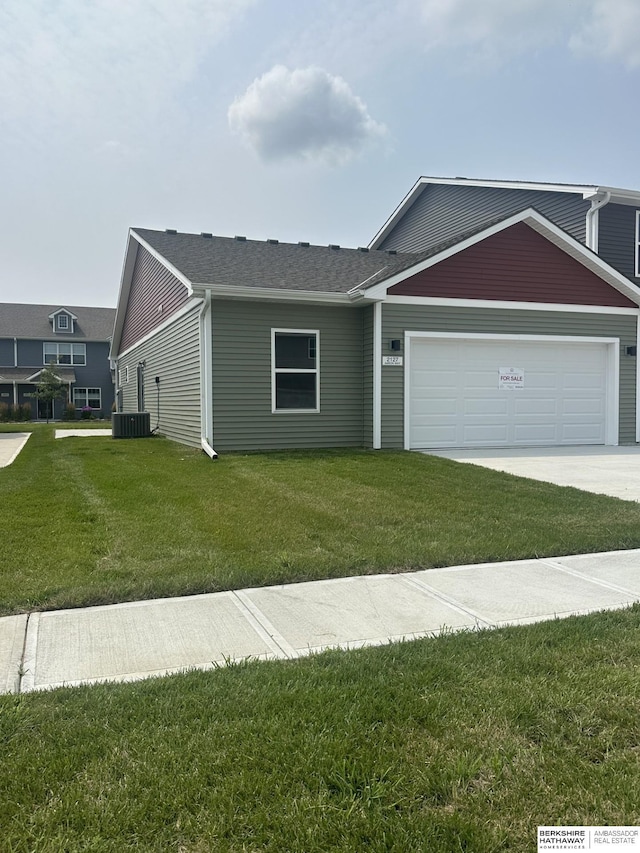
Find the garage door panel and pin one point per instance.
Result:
(480, 406)
(457, 398)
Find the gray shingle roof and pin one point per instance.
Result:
(32, 321)
(26, 374)
(282, 266)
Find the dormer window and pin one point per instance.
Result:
(63, 321)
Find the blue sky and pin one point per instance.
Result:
(294, 119)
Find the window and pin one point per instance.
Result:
(637, 269)
(63, 322)
(294, 370)
(124, 375)
(65, 354)
(87, 397)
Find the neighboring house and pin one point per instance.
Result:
(481, 315)
(74, 341)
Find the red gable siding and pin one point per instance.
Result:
(152, 286)
(517, 265)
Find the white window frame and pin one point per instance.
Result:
(636, 271)
(124, 375)
(62, 326)
(274, 370)
(57, 345)
(86, 396)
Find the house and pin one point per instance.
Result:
(73, 339)
(483, 313)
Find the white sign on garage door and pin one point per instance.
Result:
(454, 399)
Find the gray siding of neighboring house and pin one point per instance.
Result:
(396, 319)
(96, 373)
(6, 352)
(242, 416)
(173, 355)
(617, 238)
(443, 211)
(367, 351)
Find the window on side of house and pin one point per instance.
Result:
(295, 385)
(62, 322)
(65, 354)
(87, 397)
(637, 269)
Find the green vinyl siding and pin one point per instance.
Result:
(242, 416)
(173, 355)
(397, 318)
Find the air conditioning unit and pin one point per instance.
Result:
(130, 424)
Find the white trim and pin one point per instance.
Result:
(543, 226)
(162, 260)
(612, 403)
(274, 370)
(377, 375)
(509, 306)
(637, 247)
(228, 291)
(184, 310)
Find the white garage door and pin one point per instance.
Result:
(480, 393)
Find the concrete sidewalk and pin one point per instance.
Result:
(11, 443)
(124, 642)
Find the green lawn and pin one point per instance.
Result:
(465, 742)
(93, 521)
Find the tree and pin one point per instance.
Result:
(50, 387)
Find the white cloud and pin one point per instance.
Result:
(612, 32)
(305, 113)
(98, 65)
(494, 31)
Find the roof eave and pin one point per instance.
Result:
(228, 291)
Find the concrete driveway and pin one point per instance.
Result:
(613, 471)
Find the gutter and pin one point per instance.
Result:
(206, 402)
(591, 222)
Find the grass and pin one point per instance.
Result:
(95, 521)
(466, 742)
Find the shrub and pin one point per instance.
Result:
(87, 413)
(69, 412)
(4, 412)
(21, 412)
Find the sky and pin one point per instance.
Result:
(288, 119)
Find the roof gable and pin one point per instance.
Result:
(568, 246)
(516, 264)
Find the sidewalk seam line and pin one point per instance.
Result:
(262, 625)
(450, 602)
(28, 662)
(577, 574)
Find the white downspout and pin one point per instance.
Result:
(377, 375)
(206, 402)
(592, 221)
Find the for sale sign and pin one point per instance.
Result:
(510, 378)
